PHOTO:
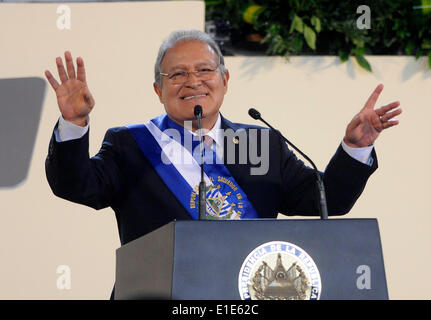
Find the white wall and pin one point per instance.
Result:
(311, 99)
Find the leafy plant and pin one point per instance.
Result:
(316, 27)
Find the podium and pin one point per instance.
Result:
(254, 259)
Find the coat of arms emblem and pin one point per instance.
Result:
(279, 271)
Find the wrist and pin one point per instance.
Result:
(355, 145)
(82, 122)
(350, 144)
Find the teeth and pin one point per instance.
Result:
(198, 96)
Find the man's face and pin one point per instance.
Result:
(180, 99)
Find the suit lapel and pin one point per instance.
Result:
(240, 171)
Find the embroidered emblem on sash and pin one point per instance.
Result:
(223, 199)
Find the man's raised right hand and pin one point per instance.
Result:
(73, 96)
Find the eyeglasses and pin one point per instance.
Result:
(181, 76)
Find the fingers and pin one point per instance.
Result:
(389, 115)
(81, 70)
(51, 80)
(389, 124)
(384, 109)
(371, 102)
(70, 74)
(385, 114)
(69, 65)
(61, 70)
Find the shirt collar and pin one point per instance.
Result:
(216, 133)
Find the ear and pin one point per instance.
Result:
(225, 80)
(158, 91)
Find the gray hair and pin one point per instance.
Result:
(185, 35)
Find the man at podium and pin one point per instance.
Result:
(149, 173)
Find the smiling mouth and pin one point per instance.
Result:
(194, 97)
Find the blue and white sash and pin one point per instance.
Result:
(169, 148)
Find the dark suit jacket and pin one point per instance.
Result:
(120, 176)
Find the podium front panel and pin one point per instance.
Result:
(208, 255)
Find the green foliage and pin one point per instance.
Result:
(328, 27)
(360, 59)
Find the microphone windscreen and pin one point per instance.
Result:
(198, 110)
(254, 113)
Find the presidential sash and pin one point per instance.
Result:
(169, 147)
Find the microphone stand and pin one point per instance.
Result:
(202, 185)
(323, 208)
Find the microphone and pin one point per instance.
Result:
(202, 209)
(198, 111)
(321, 188)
